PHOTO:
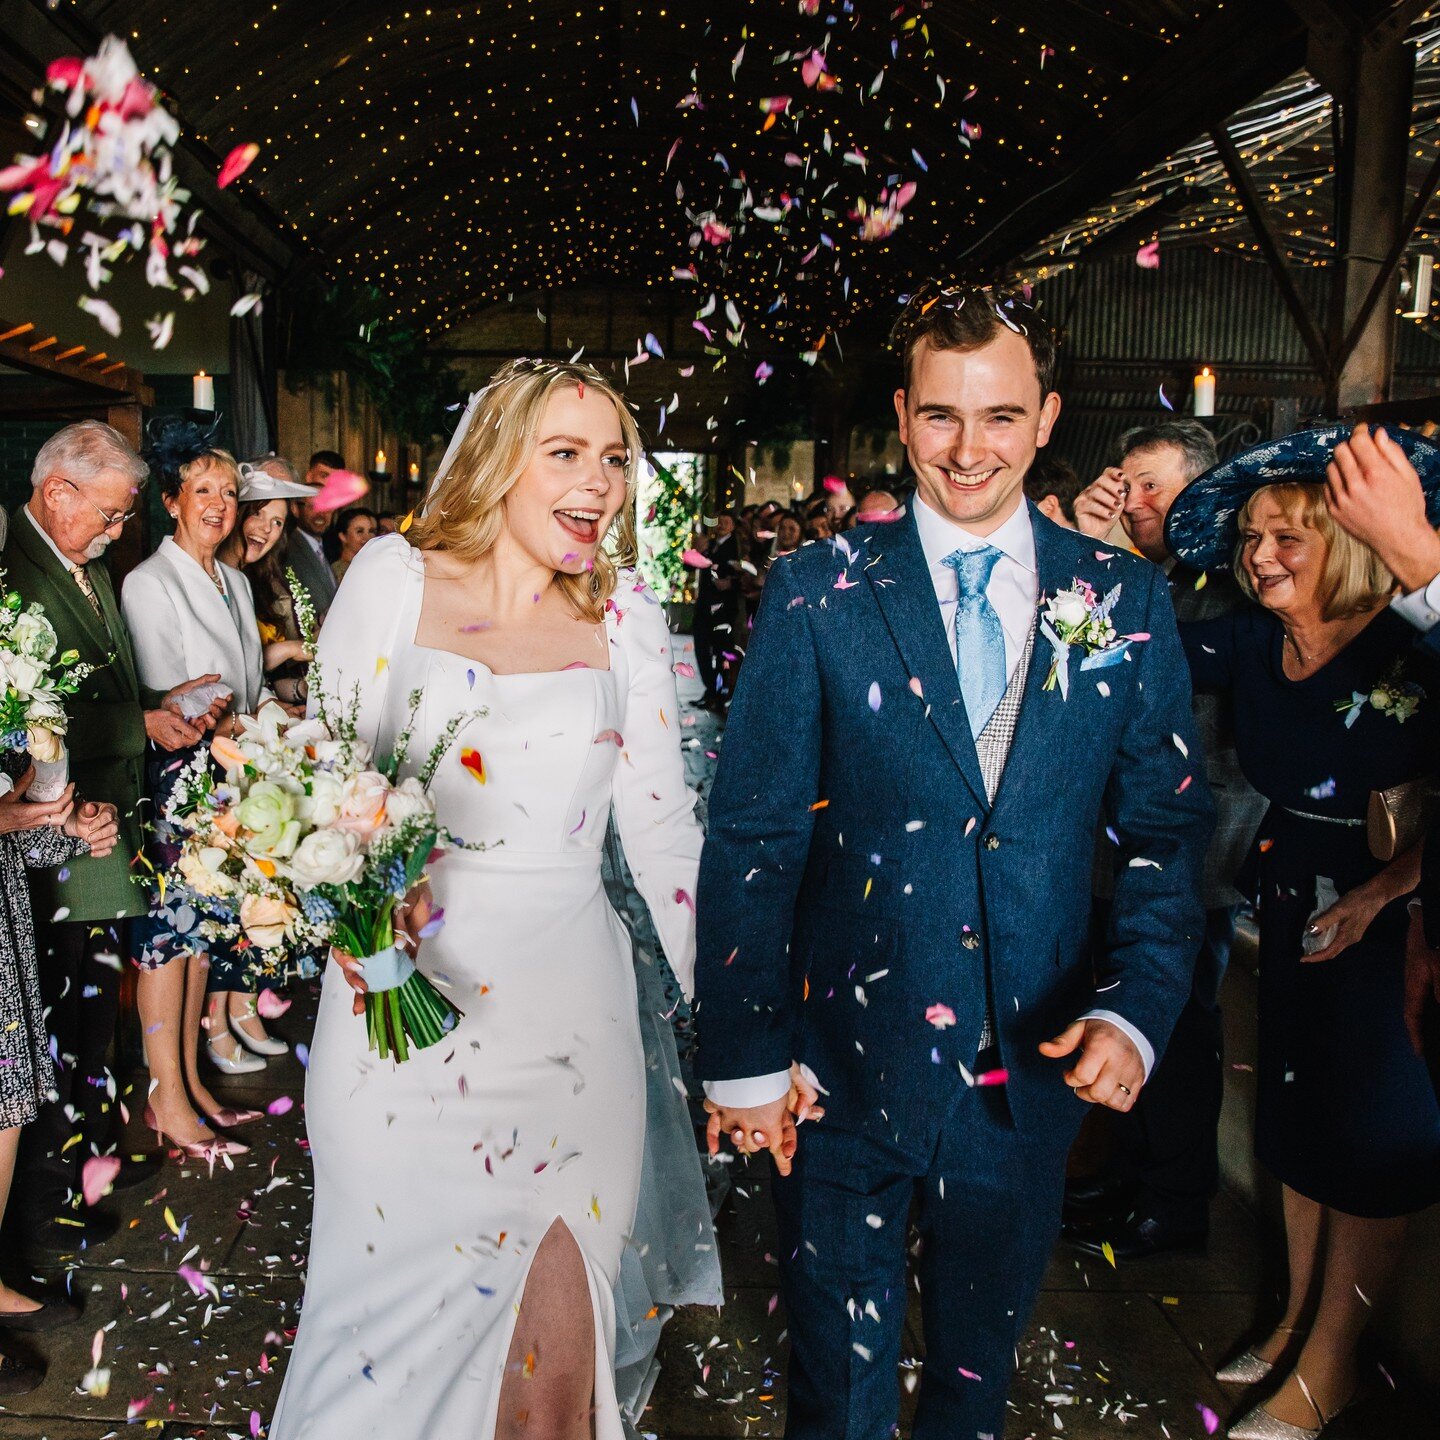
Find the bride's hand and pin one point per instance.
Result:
(350, 969)
(801, 1101)
(412, 915)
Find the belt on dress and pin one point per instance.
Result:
(1325, 819)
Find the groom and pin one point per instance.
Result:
(896, 885)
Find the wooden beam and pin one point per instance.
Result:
(1378, 120)
(1259, 218)
(1386, 273)
(85, 374)
(1240, 48)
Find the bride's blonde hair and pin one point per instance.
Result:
(463, 513)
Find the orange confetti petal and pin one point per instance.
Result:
(474, 763)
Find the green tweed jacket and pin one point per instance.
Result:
(106, 738)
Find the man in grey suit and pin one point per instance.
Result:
(1157, 1196)
(304, 546)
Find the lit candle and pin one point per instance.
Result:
(414, 473)
(203, 386)
(379, 462)
(1205, 392)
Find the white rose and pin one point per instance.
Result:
(46, 708)
(33, 635)
(200, 869)
(362, 804)
(325, 857)
(408, 799)
(1069, 608)
(25, 675)
(322, 804)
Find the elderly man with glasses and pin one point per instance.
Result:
(86, 481)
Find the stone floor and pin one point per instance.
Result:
(189, 1310)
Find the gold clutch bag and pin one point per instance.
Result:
(1399, 817)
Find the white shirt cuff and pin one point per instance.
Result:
(749, 1093)
(1420, 607)
(1147, 1051)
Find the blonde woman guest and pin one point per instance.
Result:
(472, 1204)
(1331, 700)
(181, 605)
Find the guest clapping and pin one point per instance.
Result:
(1332, 701)
(187, 610)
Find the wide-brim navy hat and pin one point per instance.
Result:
(1202, 529)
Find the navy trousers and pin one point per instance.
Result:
(987, 1205)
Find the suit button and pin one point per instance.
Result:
(971, 942)
(992, 842)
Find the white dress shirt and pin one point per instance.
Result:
(1014, 591)
(1420, 607)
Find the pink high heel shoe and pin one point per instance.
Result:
(208, 1150)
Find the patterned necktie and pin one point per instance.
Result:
(979, 637)
(87, 589)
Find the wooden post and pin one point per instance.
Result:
(1378, 127)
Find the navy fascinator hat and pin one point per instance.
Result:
(172, 441)
(1202, 528)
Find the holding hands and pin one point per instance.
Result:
(771, 1127)
(169, 728)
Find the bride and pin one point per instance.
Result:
(472, 1203)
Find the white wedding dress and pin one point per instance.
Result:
(436, 1180)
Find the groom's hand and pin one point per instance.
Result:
(754, 1128)
(1108, 1069)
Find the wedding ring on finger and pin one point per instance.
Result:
(1125, 1088)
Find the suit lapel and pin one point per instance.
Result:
(1038, 710)
(905, 593)
(65, 594)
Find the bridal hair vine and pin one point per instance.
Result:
(512, 370)
(173, 441)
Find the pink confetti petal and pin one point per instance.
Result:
(341, 488)
(281, 1105)
(96, 1176)
(940, 1016)
(695, 560)
(270, 1005)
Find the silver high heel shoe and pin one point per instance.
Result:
(266, 1044)
(1248, 1368)
(240, 1063)
(1260, 1424)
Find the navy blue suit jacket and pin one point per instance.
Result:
(855, 875)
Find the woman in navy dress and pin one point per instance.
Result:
(1331, 700)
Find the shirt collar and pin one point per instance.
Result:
(44, 534)
(941, 536)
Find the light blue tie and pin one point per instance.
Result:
(979, 637)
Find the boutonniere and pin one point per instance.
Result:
(1394, 696)
(1080, 618)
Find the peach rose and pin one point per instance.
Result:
(362, 804)
(267, 920)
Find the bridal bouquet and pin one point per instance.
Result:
(312, 839)
(36, 680)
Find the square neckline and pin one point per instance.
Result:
(418, 584)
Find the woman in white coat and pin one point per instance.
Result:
(185, 611)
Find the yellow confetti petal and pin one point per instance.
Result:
(175, 1228)
(381, 665)
(1108, 1253)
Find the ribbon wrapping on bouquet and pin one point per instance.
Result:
(387, 970)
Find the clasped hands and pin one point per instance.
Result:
(95, 823)
(1107, 1070)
